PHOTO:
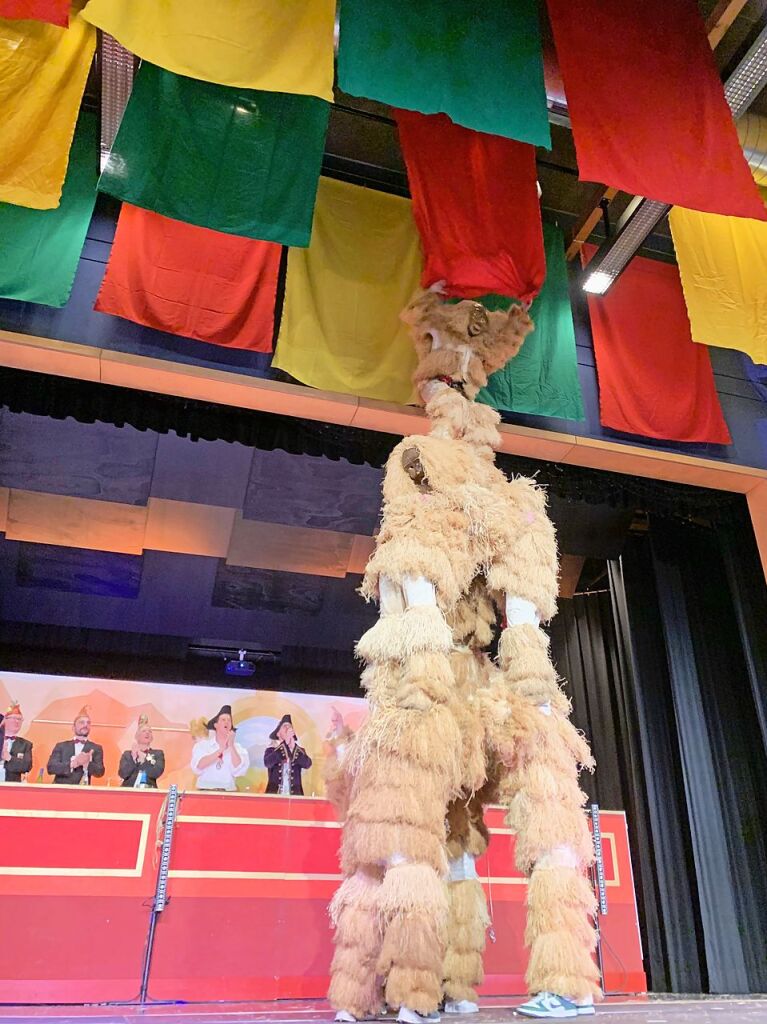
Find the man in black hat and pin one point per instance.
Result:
(285, 760)
(218, 760)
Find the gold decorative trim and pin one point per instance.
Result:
(212, 819)
(271, 876)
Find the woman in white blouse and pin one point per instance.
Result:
(218, 760)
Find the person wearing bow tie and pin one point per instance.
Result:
(15, 751)
(75, 762)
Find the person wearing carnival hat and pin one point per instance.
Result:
(219, 760)
(75, 762)
(285, 760)
(142, 765)
(15, 751)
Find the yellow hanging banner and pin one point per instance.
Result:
(723, 266)
(43, 71)
(340, 327)
(273, 45)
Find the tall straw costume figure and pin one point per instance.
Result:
(449, 730)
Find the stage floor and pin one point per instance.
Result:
(495, 1011)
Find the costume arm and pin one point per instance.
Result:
(96, 768)
(154, 771)
(303, 760)
(57, 763)
(127, 764)
(24, 764)
(272, 756)
(244, 764)
(198, 754)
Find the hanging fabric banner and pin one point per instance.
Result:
(234, 160)
(647, 106)
(653, 381)
(274, 45)
(191, 281)
(340, 327)
(480, 64)
(542, 379)
(723, 266)
(43, 71)
(757, 374)
(41, 248)
(475, 201)
(55, 12)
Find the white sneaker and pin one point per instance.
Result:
(585, 1007)
(460, 1006)
(548, 1006)
(408, 1016)
(344, 1017)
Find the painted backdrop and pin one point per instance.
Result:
(50, 704)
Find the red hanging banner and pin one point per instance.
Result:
(191, 281)
(654, 381)
(55, 12)
(647, 105)
(475, 203)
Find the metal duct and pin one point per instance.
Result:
(752, 132)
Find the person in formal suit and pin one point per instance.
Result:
(76, 761)
(285, 760)
(15, 751)
(142, 765)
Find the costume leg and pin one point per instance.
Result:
(354, 985)
(529, 724)
(405, 765)
(468, 918)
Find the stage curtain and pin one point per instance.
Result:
(191, 281)
(723, 266)
(41, 248)
(234, 160)
(667, 884)
(475, 201)
(543, 378)
(653, 381)
(340, 327)
(723, 759)
(647, 104)
(480, 64)
(274, 45)
(43, 71)
(55, 12)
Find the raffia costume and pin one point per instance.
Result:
(448, 729)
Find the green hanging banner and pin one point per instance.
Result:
(41, 248)
(240, 161)
(479, 63)
(542, 379)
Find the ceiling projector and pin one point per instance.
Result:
(240, 667)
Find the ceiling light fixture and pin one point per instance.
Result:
(643, 215)
(117, 66)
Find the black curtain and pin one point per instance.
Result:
(667, 677)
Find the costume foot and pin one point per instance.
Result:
(408, 1016)
(585, 1006)
(548, 1006)
(460, 1006)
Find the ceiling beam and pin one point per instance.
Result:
(718, 22)
(588, 220)
(721, 18)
